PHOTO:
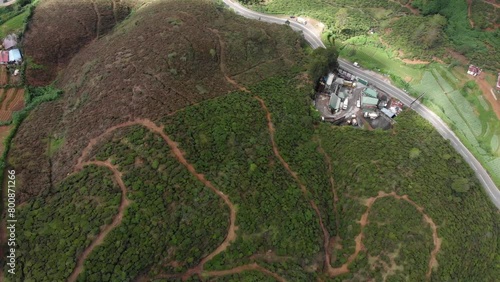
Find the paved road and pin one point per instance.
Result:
(441, 127)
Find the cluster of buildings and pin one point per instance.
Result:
(338, 91)
(372, 101)
(10, 54)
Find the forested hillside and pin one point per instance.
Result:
(421, 29)
(187, 149)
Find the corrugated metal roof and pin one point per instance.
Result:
(387, 112)
(10, 41)
(370, 92)
(334, 102)
(342, 95)
(369, 101)
(15, 55)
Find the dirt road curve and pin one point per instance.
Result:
(179, 155)
(116, 221)
(239, 269)
(364, 221)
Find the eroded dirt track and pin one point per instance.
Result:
(179, 155)
(239, 269)
(326, 235)
(117, 175)
(364, 221)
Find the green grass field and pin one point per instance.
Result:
(14, 24)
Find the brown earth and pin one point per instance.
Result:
(469, 4)
(13, 100)
(239, 269)
(60, 28)
(4, 78)
(140, 71)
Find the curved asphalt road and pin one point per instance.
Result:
(315, 42)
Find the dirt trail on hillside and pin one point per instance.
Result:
(469, 4)
(493, 3)
(117, 220)
(179, 155)
(326, 235)
(222, 60)
(364, 221)
(335, 241)
(239, 269)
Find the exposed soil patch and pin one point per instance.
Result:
(486, 89)
(116, 220)
(415, 62)
(240, 269)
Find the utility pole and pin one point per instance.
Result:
(416, 99)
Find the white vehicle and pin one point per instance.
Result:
(356, 64)
(301, 21)
(358, 103)
(346, 101)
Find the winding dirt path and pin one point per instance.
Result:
(179, 155)
(364, 221)
(469, 4)
(239, 269)
(116, 220)
(270, 125)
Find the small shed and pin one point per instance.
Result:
(4, 57)
(473, 70)
(15, 56)
(369, 92)
(329, 80)
(10, 41)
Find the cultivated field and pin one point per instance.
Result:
(4, 75)
(11, 100)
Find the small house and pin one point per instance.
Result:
(10, 41)
(473, 70)
(15, 56)
(4, 57)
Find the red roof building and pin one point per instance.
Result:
(4, 57)
(473, 70)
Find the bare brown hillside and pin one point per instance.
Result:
(164, 57)
(59, 28)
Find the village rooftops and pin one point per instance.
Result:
(10, 41)
(387, 112)
(473, 70)
(370, 93)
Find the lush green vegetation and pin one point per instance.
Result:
(421, 33)
(392, 165)
(59, 224)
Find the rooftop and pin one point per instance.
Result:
(370, 92)
(334, 102)
(369, 101)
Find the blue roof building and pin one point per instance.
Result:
(15, 56)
